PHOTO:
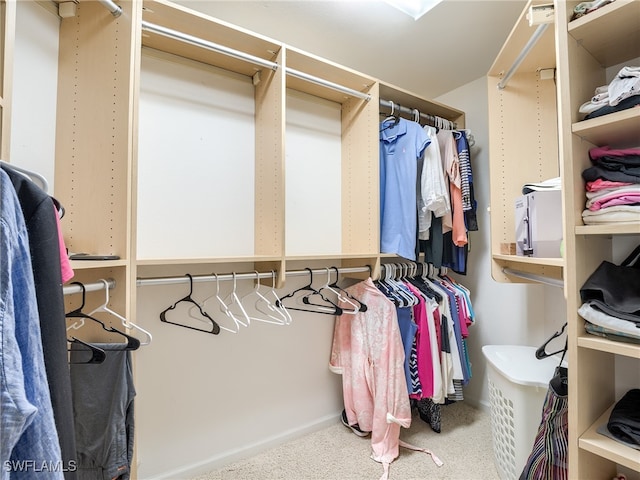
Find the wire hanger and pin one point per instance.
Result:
(328, 307)
(215, 328)
(125, 323)
(132, 342)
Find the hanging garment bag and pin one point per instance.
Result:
(548, 458)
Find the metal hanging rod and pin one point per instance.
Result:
(431, 119)
(88, 287)
(116, 10)
(199, 42)
(142, 282)
(328, 84)
(525, 51)
(554, 282)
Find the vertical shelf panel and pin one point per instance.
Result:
(269, 168)
(7, 38)
(360, 175)
(93, 147)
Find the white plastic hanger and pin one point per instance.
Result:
(231, 300)
(127, 324)
(223, 308)
(262, 304)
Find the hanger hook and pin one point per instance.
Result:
(217, 284)
(190, 284)
(416, 115)
(337, 273)
(273, 279)
(84, 291)
(310, 275)
(393, 107)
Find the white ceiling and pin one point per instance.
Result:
(450, 46)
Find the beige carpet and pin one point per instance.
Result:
(335, 453)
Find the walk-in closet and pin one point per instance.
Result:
(319, 240)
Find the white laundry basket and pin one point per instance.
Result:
(518, 383)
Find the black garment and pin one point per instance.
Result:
(628, 102)
(624, 421)
(103, 407)
(432, 248)
(620, 174)
(613, 161)
(39, 214)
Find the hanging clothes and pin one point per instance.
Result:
(433, 196)
(49, 263)
(368, 352)
(401, 146)
(27, 423)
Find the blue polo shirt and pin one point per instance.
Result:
(401, 146)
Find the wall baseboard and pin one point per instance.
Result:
(218, 461)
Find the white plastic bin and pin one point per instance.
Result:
(518, 383)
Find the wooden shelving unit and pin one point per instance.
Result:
(584, 52)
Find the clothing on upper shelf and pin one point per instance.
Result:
(584, 8)
(621, 93)
(612, 186)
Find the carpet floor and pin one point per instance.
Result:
(335, 453)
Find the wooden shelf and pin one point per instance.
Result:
(609, 229)
(205, 260)
(594, 342)
(91, 264)
(614, 128)
(325, 70)
(549, 262)
(612, 33)
(605, 447)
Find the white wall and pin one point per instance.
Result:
(35, 90)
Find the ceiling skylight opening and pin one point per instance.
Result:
(413, 8)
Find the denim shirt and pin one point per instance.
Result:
(29, 446)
